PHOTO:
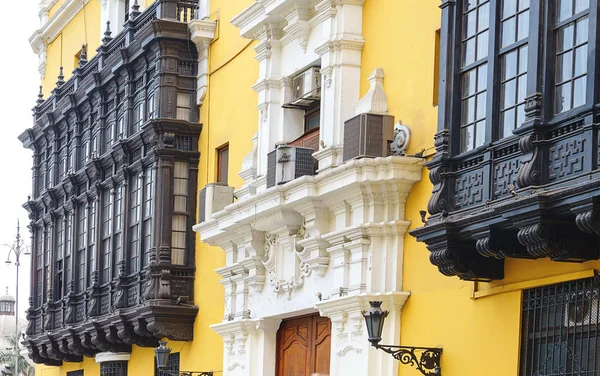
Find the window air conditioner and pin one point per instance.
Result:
(368, 136)
(287, 163)
(580, 311)
(307, 87)
(213, 198)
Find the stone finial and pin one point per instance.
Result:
(40, 97)
(82, 57)
(107, 34)
(135, 10)
(375, 101)
(61, 78)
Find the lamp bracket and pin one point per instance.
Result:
(187, 373)
(428, 363)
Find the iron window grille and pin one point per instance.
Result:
(172, 365)
(79, 372)
(113, 369)
(560, 326)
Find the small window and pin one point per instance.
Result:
(312, 117)
(113, 369)
(75, 373)
(559, 329)
(223, 164)
(184, 106)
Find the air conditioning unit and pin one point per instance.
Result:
(582, 310)
(368, 136)
(287, 163)
(307, 87)
(213, 198)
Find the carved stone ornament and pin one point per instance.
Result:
(401, 139)
(375, 100)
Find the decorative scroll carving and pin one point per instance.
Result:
(589, 221)
(438, 167)
(454, 258)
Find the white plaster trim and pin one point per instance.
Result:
(50, 29)
(112, 357)
(202, 34)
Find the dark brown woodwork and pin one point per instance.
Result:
(148, 62)
(304, 346)
(534, 193)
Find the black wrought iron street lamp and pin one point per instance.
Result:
(428, 363)
(162, 356)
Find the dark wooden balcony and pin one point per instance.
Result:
(82, 304)
(535, 194)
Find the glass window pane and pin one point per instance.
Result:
(470, 4)
(523, 22)
(470, 25)
(581, 5)
(509, 93)
(565, 9)
(523, 59)
(563, 97)
(579, 91)
(565, 38)
(520, 115)
(509, 8)
(564, 67)
(581, 58)
(508, 122)
(509, 32)
(484, 17)
(582, 31)
(521, 88)
(481, 99)
(482, 45)
(466, 139)
(468, 111)
(469, 79)
(482, 78)
(523, 4)
(469, 51)
(509, 65)
(479, 133)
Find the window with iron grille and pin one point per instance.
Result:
(113, 369)
(560, 325)
(172, 365)
(75, 373)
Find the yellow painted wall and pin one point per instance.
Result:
(84, 28)
(479, 336)
(229, 115)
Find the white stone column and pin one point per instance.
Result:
(351, 352)
(250, 346)
(340, 70)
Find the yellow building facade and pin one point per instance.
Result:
(378, 57)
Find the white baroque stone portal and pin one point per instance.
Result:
(329, 242)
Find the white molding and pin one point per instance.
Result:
(202, 34)
(112, 357)
(50, 29)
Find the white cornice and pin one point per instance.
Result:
(327, 186)
(112, 357)
(57, 22)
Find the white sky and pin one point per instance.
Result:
(18, 91)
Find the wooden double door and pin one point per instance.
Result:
(304, 346)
